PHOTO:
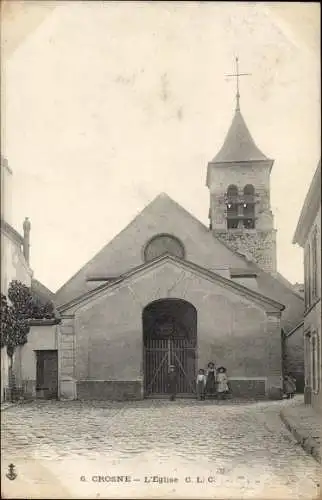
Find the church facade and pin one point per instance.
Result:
(169, 290)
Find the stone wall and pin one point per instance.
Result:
(255, 244)
(260, 243)
(66, 360)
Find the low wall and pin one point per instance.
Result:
(248, 388)
(102, 390)
(254, 388)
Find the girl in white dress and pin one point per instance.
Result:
(222, 382)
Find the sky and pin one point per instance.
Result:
(107, 104)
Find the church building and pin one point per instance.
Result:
(169, 290)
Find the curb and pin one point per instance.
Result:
(308, 444)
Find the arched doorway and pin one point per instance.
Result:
(170, 337)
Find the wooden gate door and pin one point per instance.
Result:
(47, 374)
(159, 355)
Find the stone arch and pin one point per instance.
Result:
(249, 191)
(169, 338)
(232, 192)
(232, 207)
(249, 207)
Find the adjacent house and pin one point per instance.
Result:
(14, 253)
(15, 266)
(308, 236)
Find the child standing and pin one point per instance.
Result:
(201, 384)
(211, 380)
(222, 382)
(289, 386)
(172, 382)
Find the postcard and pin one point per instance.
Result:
(161, 250)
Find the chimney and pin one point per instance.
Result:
(26, 239)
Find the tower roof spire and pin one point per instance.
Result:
(239, 146)
(237, 75)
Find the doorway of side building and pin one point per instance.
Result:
(47, 374)
(170, 338)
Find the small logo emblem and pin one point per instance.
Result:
(11, 473)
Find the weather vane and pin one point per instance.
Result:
(237, 75)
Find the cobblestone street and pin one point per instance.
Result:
(214, 450)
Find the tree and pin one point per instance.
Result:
(15, 323)
(16, 316)
(6, 320)
(21, 311)
(41, 310)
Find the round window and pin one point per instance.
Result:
(162, 244)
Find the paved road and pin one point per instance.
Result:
(194, 449)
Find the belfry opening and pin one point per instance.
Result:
(170, 338)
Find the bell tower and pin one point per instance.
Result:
(238, 179)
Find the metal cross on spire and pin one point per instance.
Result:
(237, 75)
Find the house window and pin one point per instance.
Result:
(232, 207)
(307, 276)
(314, 266)
(249, 207)
(315, 362)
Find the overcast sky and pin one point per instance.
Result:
(107, 104)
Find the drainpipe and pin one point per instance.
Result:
(26, 239)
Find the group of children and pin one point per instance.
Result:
(210, 383)
(213, 383)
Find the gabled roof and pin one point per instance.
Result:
(124, 251)
(205, 273)
(163, 214)
(239, 145)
